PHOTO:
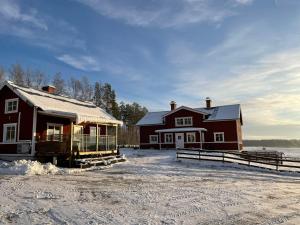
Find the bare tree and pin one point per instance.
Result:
(59, 84)
(38, 79)
(16, 74)
(86, 89)
(28, 76)
(75, 88)
(2, 74)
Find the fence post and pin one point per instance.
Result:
(199, 155)
(223, 157)
(276, 162)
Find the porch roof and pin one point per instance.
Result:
(63, 106)
(182, 129)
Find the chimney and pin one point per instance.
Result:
(208, 102)
(173, 105)
(50, 89)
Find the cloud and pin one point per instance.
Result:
(10, 11)
(165, 13)
(38, 29)
(83, 62)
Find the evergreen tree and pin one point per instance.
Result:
(98, 93)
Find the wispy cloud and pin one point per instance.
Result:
(83, 62)
(165, 13)
(11, 11)
(36, 28)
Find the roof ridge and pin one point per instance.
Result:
(50, 95)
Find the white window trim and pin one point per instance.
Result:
(187, 139)
(170, 142)
(55, 124)
(215, 135)
(6, 105)
(150, 139)
(183, 118)
(5, 132)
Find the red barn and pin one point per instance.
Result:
(40, 123)
(209, 127)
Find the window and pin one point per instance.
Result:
(11, 105)
(93, 131)
(54, 132)
(9, 132)
(169, 138)
(183, 121)
(153, 139)
(219, 136)
(190, 137)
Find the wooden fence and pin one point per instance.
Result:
(273, 163)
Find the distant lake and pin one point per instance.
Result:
(289, 152)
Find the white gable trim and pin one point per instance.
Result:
(185, 108)
(7, 84)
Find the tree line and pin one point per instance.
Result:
(101, 94)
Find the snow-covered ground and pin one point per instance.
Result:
(152, 187)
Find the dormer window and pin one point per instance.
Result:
(183, 121)
(11, 105)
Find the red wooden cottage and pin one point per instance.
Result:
(40, 123)
(210, 127)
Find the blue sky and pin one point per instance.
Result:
(155, 51)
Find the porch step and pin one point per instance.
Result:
(98, 161)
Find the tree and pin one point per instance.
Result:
(2, 74)
(98, 93)
(59, 83)
(16, 74)
(75, 88)
(38, 79)
(86, 89)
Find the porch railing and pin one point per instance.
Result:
(81, 142)
(86, 142)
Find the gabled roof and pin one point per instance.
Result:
(186, 108)
(62, 106)
(225, 112)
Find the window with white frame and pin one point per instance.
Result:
(183, 121)
(191, 137)
(54, 132)
(93, 131)
(11, 105)
(153, 139)
(169, 138)
(9, 132)
(219, 136)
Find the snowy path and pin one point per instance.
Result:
(152, 188)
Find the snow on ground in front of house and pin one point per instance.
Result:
(152, 187)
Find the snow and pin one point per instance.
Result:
(226, 112)
(64, 106)
(152, 187)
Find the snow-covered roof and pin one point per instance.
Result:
(182, 129)
(225, 112)
(63, 106)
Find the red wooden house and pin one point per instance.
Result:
(40, 123)
(210, 127)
